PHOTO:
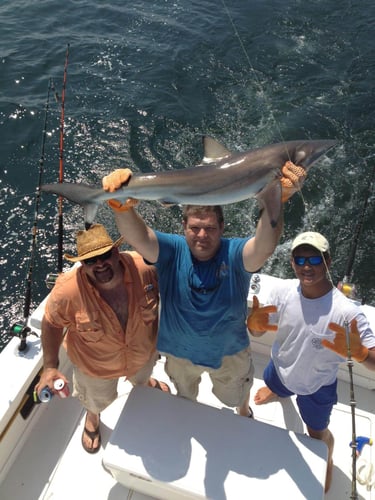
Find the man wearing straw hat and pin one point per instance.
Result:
(109, 308)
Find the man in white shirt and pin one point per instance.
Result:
(310, 343)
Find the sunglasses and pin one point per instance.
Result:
(196, 286)
(102, 258)
(314, 260)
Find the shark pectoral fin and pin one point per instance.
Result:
(270, 197)
(89, 210)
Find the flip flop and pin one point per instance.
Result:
(250, 413)
(158, 385)
(92, 435)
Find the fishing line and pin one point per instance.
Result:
(55, 93)
(265, 98)
(61, 167)
(258, 82)
(359, 226)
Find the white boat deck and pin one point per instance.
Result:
(53, 465)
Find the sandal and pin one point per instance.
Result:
(92, 435)
(250, 412)
(156, 384)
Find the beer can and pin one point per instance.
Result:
(61, 388)
(45, 395)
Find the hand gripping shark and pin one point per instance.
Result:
(222, 178)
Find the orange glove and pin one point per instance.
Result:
(258, 319)
(122, 207)
(292, 180)
(116, 179)
(358, 351)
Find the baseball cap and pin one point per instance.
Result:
(313, 239)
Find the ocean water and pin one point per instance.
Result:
(146, 79)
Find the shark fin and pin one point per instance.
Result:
(213, 150)
(270, 197)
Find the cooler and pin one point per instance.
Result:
(172, 448)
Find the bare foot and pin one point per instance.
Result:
(158, 384)
(264, 395)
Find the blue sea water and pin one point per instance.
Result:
(146, 79)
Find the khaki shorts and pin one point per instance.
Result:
(231, 383)
(95, 394)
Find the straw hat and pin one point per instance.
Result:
(313, 239)
(92, 242)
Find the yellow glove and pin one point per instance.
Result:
(258, 319)
(292, 180)
(116, 179)
(358, 351)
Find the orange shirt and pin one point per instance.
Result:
(95, 340)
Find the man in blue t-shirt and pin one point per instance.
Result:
(204, 281)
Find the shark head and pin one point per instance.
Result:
(308, 152)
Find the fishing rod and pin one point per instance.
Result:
(348, 289)
(21, 329)
(353, 443)
(61, 167)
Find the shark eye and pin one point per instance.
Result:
(300, 156)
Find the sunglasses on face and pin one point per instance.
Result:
(102, 258)
(314, 260)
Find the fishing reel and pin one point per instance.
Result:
(22, 331)
(359, 443)
(51, 280)
(348, 289)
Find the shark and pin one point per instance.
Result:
(223, 177)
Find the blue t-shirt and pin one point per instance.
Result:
(204, 303)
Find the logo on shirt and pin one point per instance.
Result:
(223, 270)
(317, 343)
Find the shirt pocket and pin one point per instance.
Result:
(149, 303)
(316, 337)
(89, 327)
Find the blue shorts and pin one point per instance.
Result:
(315, 409)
